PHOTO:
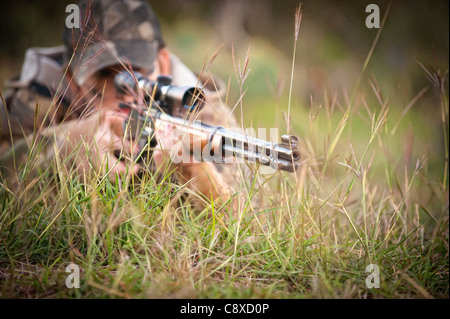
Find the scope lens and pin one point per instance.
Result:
(192, 99)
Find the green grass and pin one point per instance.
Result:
(298, 244)
(305, 236)
(372, 189)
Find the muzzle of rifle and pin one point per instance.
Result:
(283, 156)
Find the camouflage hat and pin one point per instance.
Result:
(112, 32)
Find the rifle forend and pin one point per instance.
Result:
(221, 143)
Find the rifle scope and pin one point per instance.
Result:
(171, 98)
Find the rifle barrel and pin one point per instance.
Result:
(283, 156)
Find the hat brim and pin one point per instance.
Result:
(98, 56)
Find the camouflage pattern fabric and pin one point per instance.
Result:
(111, 33)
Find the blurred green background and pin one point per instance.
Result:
(332, 46)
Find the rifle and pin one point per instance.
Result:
(175, 105)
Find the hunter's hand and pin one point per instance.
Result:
(201, 177)
(96, 142)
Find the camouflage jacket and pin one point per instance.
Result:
(41, 96)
